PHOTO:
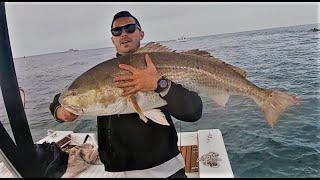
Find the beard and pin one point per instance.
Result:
(128, 48)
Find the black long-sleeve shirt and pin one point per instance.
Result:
(127, 143)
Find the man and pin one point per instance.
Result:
(127, 145)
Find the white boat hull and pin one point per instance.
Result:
(201, 142)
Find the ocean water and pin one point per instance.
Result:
(281, 58)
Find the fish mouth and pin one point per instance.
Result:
(73, 109)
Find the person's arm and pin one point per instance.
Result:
(183, 104)
(59, 113)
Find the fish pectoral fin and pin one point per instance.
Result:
(157, 116)
(153, 47)
(137, 108)
(221, 98)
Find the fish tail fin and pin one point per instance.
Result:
(273, 106)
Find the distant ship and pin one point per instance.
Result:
(72, 50)
(316, 28)
(182, 39)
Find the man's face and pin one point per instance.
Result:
(126, 42)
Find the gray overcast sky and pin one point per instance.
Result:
(40, 28)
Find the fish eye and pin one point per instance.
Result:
(73, 93)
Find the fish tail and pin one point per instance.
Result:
(273, 106)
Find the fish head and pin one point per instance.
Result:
(70, 99)
(95, 100)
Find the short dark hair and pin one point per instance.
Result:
(124, 14)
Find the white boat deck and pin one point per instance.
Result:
(211, 140)
(4, 171)
(207, 141)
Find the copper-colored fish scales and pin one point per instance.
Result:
(196, 70)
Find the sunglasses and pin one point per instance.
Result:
(129, 28)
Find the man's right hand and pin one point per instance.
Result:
(65, 115)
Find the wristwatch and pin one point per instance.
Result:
(162, 84)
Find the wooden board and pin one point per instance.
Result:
(188, 159)
(194, 157)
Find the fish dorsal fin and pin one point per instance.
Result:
(197, 52)
(214, 59)
(153, 47)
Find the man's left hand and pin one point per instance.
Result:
(140, 80)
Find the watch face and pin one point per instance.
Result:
(163, 83)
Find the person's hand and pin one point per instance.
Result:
(140, 80)
(65, 115)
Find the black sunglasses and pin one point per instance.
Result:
(129, 28)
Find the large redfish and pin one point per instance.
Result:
(93, 92)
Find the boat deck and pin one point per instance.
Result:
(192, 144)
(4, 171)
